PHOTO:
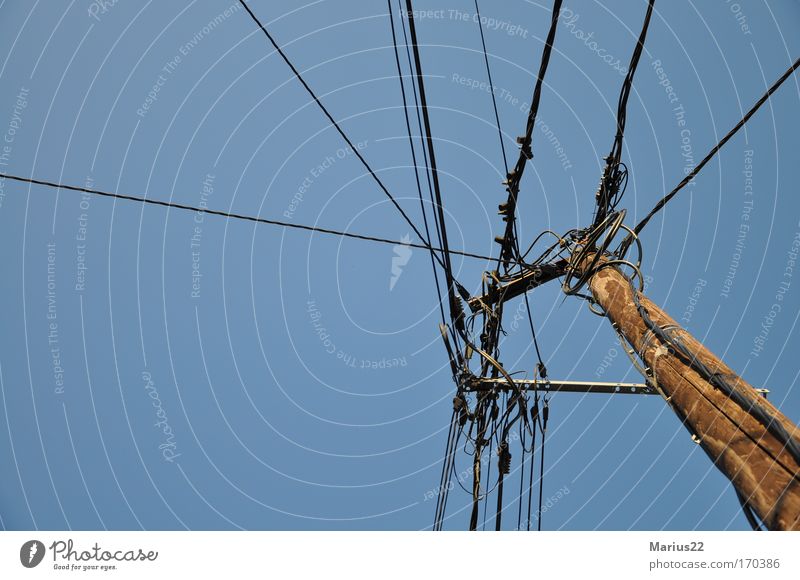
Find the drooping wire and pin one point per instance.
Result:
(691, 175)
(231, 215)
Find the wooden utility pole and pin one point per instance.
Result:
(765, 475)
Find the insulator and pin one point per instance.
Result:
(457, 310)
(542, 370)
(463, 292)
(504, 459)
(500, 240)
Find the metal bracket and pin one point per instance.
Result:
(550, 386)
(483, 384)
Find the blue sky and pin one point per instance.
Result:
(163, 369)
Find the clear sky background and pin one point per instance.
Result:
(290, 385)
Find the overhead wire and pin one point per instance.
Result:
(505, 161)
(492, 326)
(714, 150)
(611, 191)
(514, 177)
(545, 417)
(615, 174)
(521, 478)
(333, 121)
(414, 157)
(456, 309)
(231, 215)
(536, 421)
(491, 85)
(444, 484)
(426, 165)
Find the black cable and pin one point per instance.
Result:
(414, 158)
(505, 164)
(491, 85)
(456, 310)
(332, 120)
(503, 452)
(535, 419)
(480, 422)
(515, 176)
(504, 456)
(613, 180)
(521, 478)
(441, 477)
(545, 417)
(510, 240)
(528, 307)
(447, 489)
(229, 215)
(488, 477)
(640, 226)
(419, 125)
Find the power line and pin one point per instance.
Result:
(509, 251)
(514, 178)
(426, 166)
(614, 179)
(333, 121)
(545, 417)
(456, 311)
(414, 155)
(505, 163)
(491, 84)
(236, 216)
(666, 199)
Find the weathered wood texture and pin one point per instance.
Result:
(757, 464)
